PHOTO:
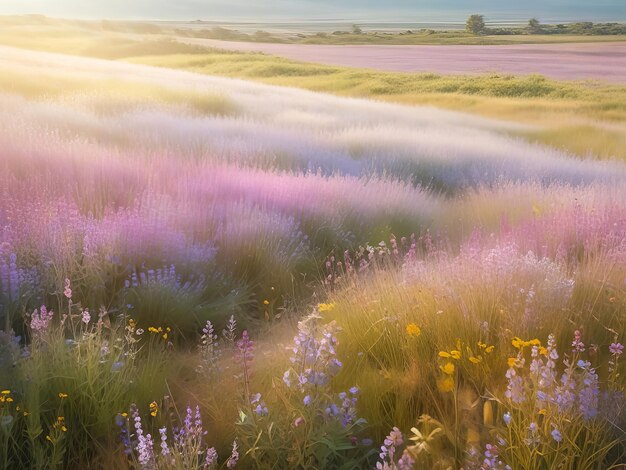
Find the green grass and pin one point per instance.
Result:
(584, 118)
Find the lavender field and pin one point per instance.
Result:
(207, 272)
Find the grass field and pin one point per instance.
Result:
(203, 272)
(584, 118)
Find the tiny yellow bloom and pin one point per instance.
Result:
(444, 354)
(124, 414)
(481, 345)
(154, 408)
(152, 329)
(413, 330)
(517, 343)
(63, 428)
(61, 418)
(25, 413)
(63, 395)
(266, 302)
(535, 342)
(489, 349)
(325, 307)
(543, 412)
(9, 400)
(543, 351)
(164, 336)
(445, 384)
(6, 392)
(511, 361)
(49, 438)
(455, 354)
(475, 360)
(448, 368)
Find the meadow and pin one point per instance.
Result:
(206, 272)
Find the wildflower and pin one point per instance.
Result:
(85, 316)
(455, 354)
(165, 450)
(616, 349)
(354, 390)
(556, 435)
(63, 395)
(234, 457)
(67, 291)
(405, 462)
(445, 384)
(475, 360)
(448, 368)
(413, 330)
(444, 354)
(325, 307)
(139, 331)
(511, 361)
(298, 421)
(211, 458)
(266, 302)
(154, 409)
(307, 400)
(5, 392)
(507, 418)
(489, 349)
(40, 320)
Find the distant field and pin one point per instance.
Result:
(605, 61)
(583, 118)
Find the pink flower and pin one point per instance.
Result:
(616, 349)
(67, 291)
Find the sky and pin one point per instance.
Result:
(379, 10)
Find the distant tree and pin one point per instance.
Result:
(356, 29)
(534, 27)
(475, 24)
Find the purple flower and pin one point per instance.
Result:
(556, 435)
(616, 349)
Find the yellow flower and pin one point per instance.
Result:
(49, 438)
(132, 323)
(489, 349)
(444, 354)
(124, 414)
(25, 413)
(445, 384)
(6, 392)
(154, 409)
(481, 345)
(517, 343)
(543, 412)
(60, 418)
(325, 307)
(455, 354)
(413, 330)
(475, 360)
(543, 351)
(164, 336)
(448, 368)
(9, 400)
(152, 329)
(63, 395)
(266, 302)
(534, 342)
(63, 428)
(511, 361)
